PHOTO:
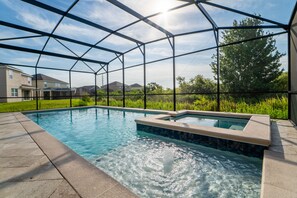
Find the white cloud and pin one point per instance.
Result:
(15, 57)
(107, 15)
(31, 15)
(239, 4)
(118, 41)
(9, 34)
(284, 62)
(154, 6)
(37, 21)
(159, 52)
(22, 60)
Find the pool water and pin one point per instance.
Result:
(151, 165)
(213, 121)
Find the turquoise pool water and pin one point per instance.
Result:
(150, 165)
(213, 121)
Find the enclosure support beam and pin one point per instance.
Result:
(139, 16)
(61, 43)
(36, 87)
(289, 76)
(243, 13)
(206, 15)
(107, 83)
(34, 51)
(70, 88)
(142, 51)
(290, 62)
(22, 37)
(48, 68)
(56, 26)
(249, 27)
(174, 81)
(95, 88)
(124, 88)
(144, 77)
(218, 71)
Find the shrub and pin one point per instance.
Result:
(86, 98)
(82, 103)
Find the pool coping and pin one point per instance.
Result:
(84, 177)
(155, 111)
(256, 132)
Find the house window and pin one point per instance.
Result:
(45, 84)
(14, 92)
(57, 85)
(29, 80)
(10, 74)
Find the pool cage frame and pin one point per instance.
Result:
(142, 47)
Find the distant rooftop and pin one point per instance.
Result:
(135, 85)
(47, 78)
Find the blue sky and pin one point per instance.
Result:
(104, 13)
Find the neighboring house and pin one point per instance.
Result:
(136, 86)
(51, 88)
(90, 90)
(115, 86)
(14, 84)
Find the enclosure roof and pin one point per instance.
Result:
(87, 36)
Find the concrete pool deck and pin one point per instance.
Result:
(34, 164)
(279, 175)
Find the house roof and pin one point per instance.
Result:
(15, 69)
(87, 87)
(115, 83)
(28, 75)
(47, 78)
(135, 85)
(12, 68)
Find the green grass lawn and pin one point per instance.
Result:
(276, 107)
(43, 104)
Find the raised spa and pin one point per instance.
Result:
(246, 134)
(212, 121)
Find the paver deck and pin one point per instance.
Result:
(35, 164)
(25, 171)
(279, 177)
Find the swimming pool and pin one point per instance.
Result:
(213, 121)
(151, 165)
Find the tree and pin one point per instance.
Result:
(198, 84)
(281, 83)
(249, 66)
(154, 88)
